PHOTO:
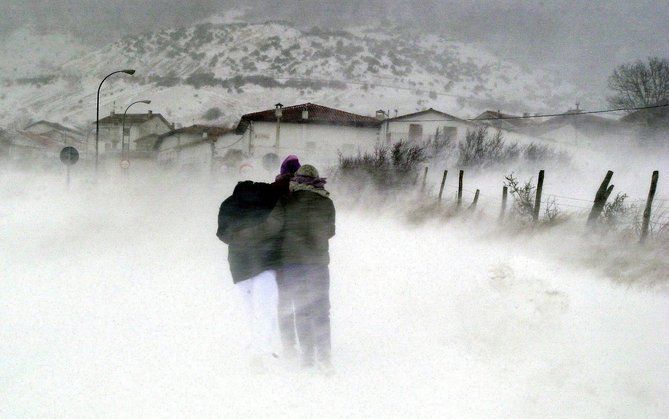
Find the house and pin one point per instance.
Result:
(29, 149)
(650, 126)
(61, 133)
(578, 129)
(505, 121)
(137, 125)
(423, 126)
(314, 132)
(199, 147)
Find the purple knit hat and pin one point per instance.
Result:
(290, 165)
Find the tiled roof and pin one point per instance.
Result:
(211, 130)
(131, 118)
(317, 114)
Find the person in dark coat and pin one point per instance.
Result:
(305, 221)
(254, 263)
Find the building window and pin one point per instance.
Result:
(388, 137)
(415, 132)
(126, 131)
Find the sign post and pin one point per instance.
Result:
(69, 156)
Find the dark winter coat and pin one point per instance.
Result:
(305, 222)
(248, 206)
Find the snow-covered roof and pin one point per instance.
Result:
(426, 111)
(55, 126)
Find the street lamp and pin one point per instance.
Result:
(125, 154)
(97, 114)
(278, 112)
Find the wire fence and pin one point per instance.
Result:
(579, 204)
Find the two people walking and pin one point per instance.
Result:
(278, 251)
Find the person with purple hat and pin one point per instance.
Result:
(255, 261)
(286, 311)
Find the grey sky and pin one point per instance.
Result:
(582, 40)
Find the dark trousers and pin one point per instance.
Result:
(307, 288)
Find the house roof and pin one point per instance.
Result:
(654, 116)
(430, 110)
(55, 126)
(495, 115)
(40, 141)
(132, 118)
(587, 123)
(211, 130)
(318, 114)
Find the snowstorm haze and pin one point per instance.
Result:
(452, 281)
(580, 41)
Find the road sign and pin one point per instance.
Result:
(69, 156)
(125, 164)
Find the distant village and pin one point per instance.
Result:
(317, 133)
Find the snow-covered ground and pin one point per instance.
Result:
(118, 302)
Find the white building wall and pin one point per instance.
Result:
(316, 143)
(398, 129)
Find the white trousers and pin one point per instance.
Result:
(259, 298)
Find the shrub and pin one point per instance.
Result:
(540, 152)
(522, 195)
(482, 150)
(386, 167)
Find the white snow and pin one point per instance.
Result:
(118, 302)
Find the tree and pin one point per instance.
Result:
(640, 84)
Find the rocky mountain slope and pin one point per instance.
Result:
(215, 72)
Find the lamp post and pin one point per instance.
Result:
(125, 154)
(97, 115)
(278, 112)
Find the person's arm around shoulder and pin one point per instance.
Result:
(270, 227)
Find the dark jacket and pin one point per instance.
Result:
(248, 206)
(305, 221)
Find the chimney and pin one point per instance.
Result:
(526, 114)
(380, 115)
(150, 113)
(305, 113)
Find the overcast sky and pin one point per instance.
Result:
(583, 40)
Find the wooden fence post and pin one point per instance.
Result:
(602, 195)
(422, 188)
(649, 204)
(537, 200)
(443, 183)
(472, 207)
(502, 211)
(462, 173)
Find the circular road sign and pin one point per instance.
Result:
(125, 164)
(69, 155)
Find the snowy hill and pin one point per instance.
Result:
(243, 67)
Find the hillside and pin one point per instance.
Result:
(243, 67)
